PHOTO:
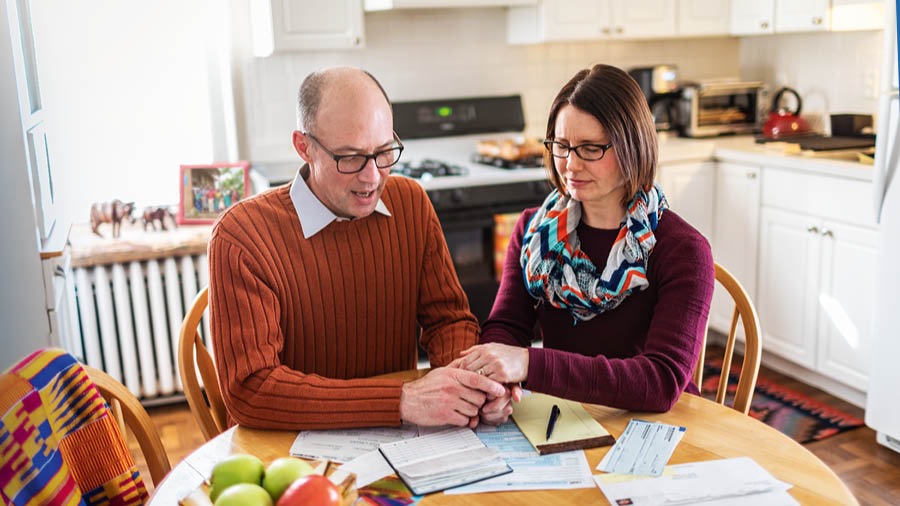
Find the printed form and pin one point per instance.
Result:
(344, 445)
(531, 471)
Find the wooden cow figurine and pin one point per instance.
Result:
(153, 214)
(111, 212)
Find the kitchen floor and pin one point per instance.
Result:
(871, 471)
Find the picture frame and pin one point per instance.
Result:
(208, 189)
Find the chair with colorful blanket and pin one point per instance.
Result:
(59, 441)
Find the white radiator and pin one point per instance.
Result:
(130, 317)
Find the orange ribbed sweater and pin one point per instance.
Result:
(298, 325)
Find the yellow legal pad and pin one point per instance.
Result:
(575, 428)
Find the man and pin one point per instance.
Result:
(317, 286)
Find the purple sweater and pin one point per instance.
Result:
(639, 356)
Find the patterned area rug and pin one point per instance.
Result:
(799, 417)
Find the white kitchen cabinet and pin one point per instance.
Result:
(559, 20)
(736, 236)
(703, 17)
(846, 301)
(689, 188)
(755, 17)
(382, 5)
(802, 15)
(815, 277)
(788, 284)
(294, 25)
(752, 17)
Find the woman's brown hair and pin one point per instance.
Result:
(616, 100)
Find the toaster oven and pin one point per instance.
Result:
(721, 108)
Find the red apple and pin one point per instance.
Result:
(311, 490)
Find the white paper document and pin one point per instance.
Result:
(443, 460)
(727, 482)
(531, 471)
(643, 449)
(344, 445)
(368, 467)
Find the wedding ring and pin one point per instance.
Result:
(481, 371)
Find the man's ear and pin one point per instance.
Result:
(301, 145)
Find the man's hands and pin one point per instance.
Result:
(496, 411)
(503, 363)
(448, 396)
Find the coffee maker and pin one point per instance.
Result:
(660, 86)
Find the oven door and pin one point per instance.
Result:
(471, 244)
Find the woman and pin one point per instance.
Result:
(617, 285)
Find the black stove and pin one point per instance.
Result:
(427, 169)
(530, 162)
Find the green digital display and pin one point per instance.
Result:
(444, 111)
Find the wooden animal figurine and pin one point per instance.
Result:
(153, 214)
(111, 212)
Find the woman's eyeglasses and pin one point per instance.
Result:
(588, 152)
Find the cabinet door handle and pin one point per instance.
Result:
(816, 20)
(619, 29)
(764, 25)
(751, 175)
(827, 233)
(605, 30)
(813, 229)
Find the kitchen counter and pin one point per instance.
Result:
(744, 149)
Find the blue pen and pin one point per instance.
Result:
(551, 423)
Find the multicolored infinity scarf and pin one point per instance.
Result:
(557, 271)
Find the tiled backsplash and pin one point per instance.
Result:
(440, 53)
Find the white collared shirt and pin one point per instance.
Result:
(311, 212)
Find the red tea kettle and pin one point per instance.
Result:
(782, 123)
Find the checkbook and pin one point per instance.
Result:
(442, 460)
(643, 449)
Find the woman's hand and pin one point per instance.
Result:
(500, 362)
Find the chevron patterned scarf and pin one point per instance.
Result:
(557, 271)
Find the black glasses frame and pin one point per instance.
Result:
(577, 149)
(373, 156)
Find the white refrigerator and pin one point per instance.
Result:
(883, 400)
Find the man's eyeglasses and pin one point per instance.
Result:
(351, 164)
(587, 152)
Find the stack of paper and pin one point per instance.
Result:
(442, 460)
(728, 482)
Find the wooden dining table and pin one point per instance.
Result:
(713, 432)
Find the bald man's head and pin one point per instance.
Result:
(332, 82)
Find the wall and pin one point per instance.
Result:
(439, 53)
(835, 72)
(127, 89)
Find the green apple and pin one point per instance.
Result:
(234, 469)
(281, 473)
(244, 494)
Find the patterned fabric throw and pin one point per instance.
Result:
(557, 271)
(60, 443)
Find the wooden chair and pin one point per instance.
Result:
(209, 409)
(130, 413)
(743, 310)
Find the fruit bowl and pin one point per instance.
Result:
(345, 483)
